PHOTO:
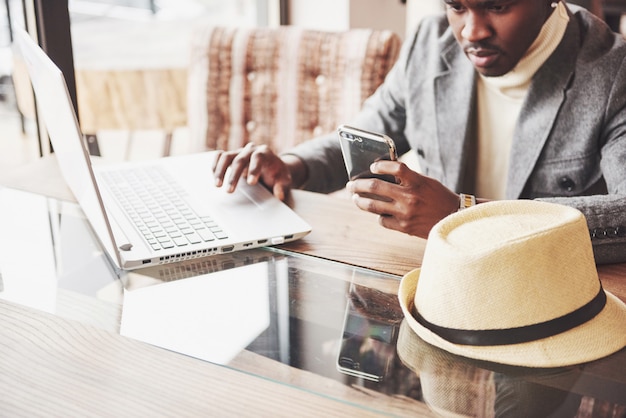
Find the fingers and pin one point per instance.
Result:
(373, 203)
(257, 164)
(390, 169)
(280, 180)
(229, 166)
(239, 166)
(415, 203)
(220, 164)
(389, 222)
(280, 191)
(364, 190)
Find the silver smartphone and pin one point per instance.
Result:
(361, 148)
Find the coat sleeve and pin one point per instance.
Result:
(606, 219)
(606, 214)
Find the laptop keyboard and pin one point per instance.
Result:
(155, 204)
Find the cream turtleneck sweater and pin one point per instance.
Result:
(499, 103)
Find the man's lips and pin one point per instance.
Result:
(482, 57)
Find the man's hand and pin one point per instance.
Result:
(257, 163)
(413, 205)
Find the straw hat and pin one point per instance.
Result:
(513, 282)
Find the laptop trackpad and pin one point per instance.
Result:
(258, 195)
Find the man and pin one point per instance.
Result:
(502, 99)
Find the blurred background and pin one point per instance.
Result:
(111, 34)
(110, 39)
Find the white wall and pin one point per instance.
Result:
(378, 14)
(417, 9)
(346, 14)
(320, 14)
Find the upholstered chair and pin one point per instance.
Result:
(280, 86)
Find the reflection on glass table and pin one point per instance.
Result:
(368, 343)
(318, 325)
(51, 261)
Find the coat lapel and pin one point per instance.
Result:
(454, 91)
(539, 111)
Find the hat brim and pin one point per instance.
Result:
(601, 336)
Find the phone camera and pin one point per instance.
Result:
(348, 363)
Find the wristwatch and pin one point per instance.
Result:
(466, 201)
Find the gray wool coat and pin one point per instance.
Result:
(569, 143)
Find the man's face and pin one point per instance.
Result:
(495, 34)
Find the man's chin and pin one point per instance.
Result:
(492, 72)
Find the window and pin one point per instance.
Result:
(108, 37)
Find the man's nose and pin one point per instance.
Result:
(476, 27)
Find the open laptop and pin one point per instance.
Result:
(139, 229)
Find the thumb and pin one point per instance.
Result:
(280, 190)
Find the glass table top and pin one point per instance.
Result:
(322, 326)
